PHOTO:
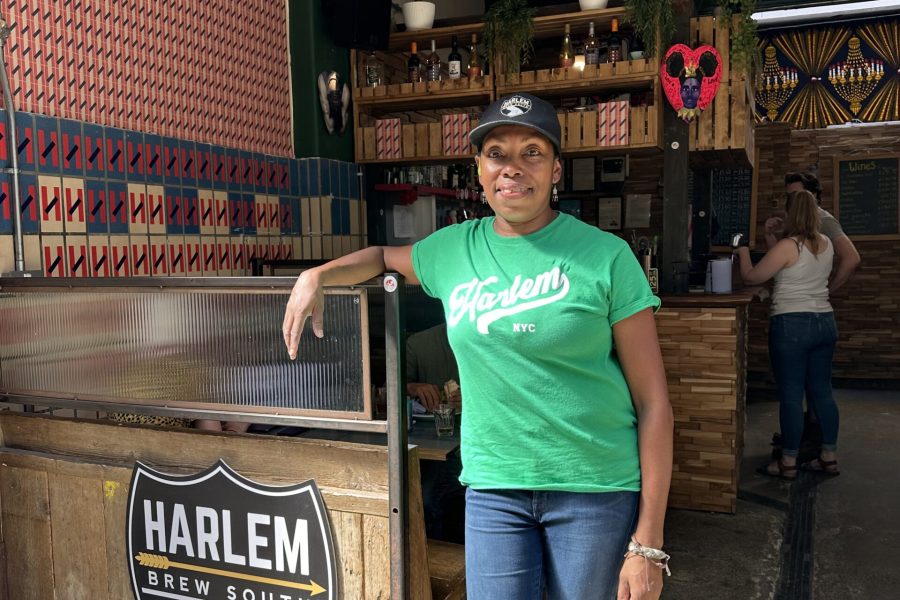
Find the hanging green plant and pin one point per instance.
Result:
(744, 41)
(648, 17)
(508, 32)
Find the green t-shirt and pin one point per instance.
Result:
(545, 403)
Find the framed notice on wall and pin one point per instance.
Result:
(867, 196)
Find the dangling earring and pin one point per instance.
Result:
(554, 195)
(483, 198)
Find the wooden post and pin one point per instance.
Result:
(675, 256)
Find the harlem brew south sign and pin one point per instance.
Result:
(218, 536)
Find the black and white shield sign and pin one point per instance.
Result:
(219, 536)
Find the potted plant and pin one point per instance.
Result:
(508, 31)
(649, 17)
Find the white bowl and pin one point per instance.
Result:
(636, 54)
(418, 15)
(592, 4)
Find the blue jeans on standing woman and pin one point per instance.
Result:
(801, 346)
(518, 542)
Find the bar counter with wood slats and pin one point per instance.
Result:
(704, 346)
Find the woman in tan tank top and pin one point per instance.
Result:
(802, 332)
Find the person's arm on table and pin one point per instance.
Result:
(637, 346)
(307, 297)
(847, 261)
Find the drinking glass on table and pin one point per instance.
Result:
(444, 419)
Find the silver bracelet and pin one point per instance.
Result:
(654, 555)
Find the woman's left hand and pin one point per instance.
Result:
(636, 576)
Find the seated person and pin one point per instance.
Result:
(430, 365)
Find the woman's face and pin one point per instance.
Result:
(517, 168)
(690, 92)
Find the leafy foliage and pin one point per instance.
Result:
(508, 32)
(649, 17)
(744, 41)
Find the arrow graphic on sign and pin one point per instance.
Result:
(158, 561)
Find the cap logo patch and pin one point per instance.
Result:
(515, 106)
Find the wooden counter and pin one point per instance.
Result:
(704, 346)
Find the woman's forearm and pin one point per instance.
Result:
(351, 269)
(655, 438)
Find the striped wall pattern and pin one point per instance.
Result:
(106, 202)
(214, 71)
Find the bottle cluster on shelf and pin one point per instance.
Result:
(430, 67)
(611, 48)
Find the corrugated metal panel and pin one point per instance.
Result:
(183, 346)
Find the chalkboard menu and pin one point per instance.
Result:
(731, 203)
(868, 195)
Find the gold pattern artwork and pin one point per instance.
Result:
(812, 51)
(775, 84)
(855, 78)
(884, 38)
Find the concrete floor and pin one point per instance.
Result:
(819, 539)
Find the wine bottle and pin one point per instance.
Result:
(615, 44)
(454, 61)
(413, 65)
(433, 64)
(474, 67)
(591, 47)
(567, 53)
(374, 71)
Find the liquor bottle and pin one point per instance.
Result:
(474, 59)
(413, 66)
(591, 47)
(567, 53)
(433, 65)
(454, 61)
(614, 53)
(374, 71)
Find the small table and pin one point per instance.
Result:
(422, 434)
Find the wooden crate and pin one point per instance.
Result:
(579, 129)
(592, 73)
(727, 124)
(419, 141)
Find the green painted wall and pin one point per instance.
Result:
(312, 52)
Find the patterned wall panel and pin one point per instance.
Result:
(214, 71)
(110, 202)
(819, 76)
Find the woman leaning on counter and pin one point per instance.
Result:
(566, 443)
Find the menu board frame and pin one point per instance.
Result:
(837, 195)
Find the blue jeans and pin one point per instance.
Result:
(519, 541)
(801, 346)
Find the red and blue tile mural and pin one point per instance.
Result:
(211, 71)
(110, 202)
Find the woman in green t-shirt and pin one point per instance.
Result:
(566, 435)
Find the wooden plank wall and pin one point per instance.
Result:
(703, 352)
(64, 487)
(868, 307)
(728, 123)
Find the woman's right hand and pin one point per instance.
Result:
(307, 300)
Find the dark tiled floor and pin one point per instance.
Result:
(854, 519)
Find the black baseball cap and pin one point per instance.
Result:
(519, 109)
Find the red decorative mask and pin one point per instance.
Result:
(690, 78)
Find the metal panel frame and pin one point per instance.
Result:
(393, 285)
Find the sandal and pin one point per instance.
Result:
(825, 468)
(779, 470)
